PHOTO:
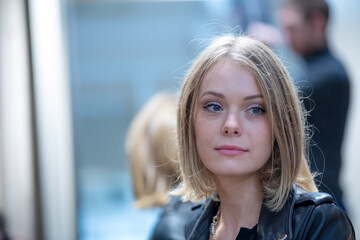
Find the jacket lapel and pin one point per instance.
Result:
(271, 225)
(277, 225)
(200, 231)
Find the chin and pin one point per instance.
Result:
(233, 172)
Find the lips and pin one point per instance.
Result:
(230, 150)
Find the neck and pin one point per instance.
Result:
(241, 201)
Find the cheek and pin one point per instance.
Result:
(202, 133)
(203, 128)
(262, 139)
(201, 141)
(267, 141)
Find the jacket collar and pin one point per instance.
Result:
(271, 225)
(277, 225)
(200, 230)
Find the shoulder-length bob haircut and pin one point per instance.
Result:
(287, 163)
(151, 148)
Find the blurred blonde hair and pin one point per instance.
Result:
(150, 145)
(287, 163)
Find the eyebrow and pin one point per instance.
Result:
(252, 97)
(222, 96)
(212, 93)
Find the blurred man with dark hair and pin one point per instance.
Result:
(325, 87)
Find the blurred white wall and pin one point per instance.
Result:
(345, 36)
(16, 152)
(37, 187)
(53, 119)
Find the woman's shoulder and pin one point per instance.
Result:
(199, 220)
(317, 216)
(172, 221)
(304, 197)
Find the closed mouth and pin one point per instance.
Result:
(230, 150)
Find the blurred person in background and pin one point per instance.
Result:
(325, 87)
(151, 147)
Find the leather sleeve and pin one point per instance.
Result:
(320, 222)
(172, 221)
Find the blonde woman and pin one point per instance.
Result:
(242, 146)
(152, 153)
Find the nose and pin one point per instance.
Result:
(231, 125)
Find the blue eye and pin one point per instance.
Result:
(257, 110)
(213, 107)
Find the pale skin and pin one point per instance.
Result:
(234, 140)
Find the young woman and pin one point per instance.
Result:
(241, 142)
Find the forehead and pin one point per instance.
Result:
(229, 77)
(291, 16)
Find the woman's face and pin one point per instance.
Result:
(232, 127)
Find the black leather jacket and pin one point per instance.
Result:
(305, 216)
(172, 221)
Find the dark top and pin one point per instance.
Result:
(172, 220)
(247, 234)
(305, 216)
(327, 85)
(244, 233)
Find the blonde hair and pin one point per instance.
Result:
(287, 163)
(150, 145)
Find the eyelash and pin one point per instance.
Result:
(257, 107)
(210, 105)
